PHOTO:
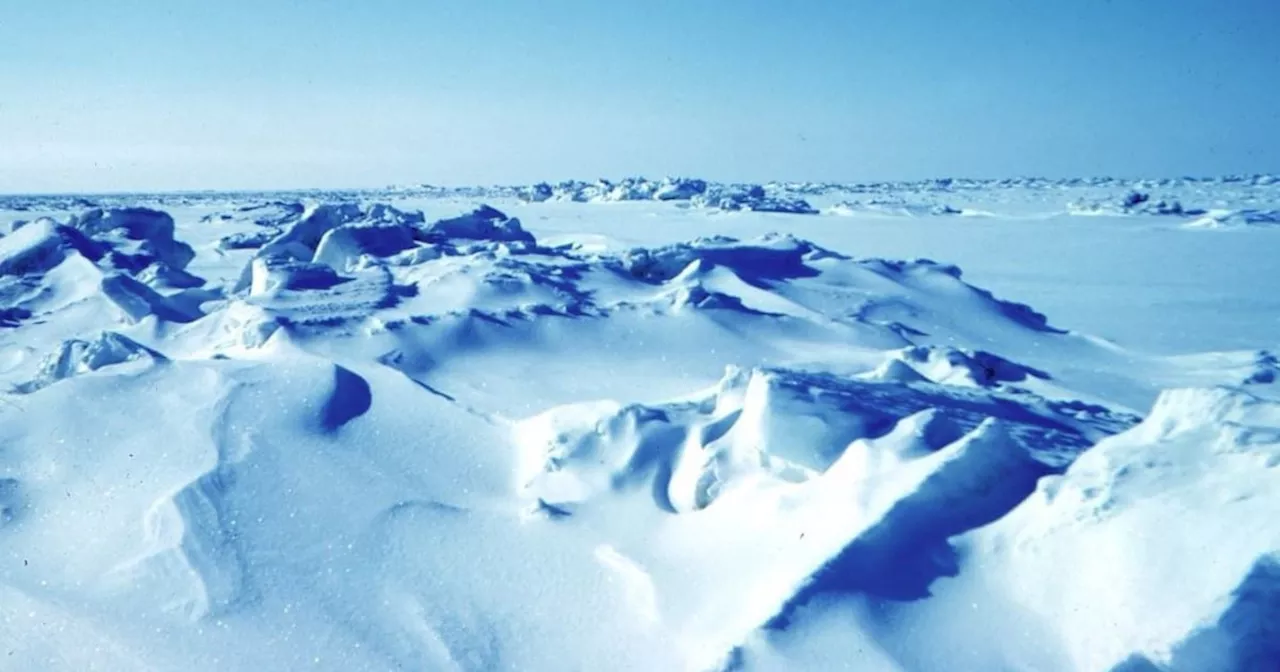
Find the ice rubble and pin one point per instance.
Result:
(332, 440)
(1106, 193)
(135, 238)
(128, 254)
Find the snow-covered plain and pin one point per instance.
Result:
(644, 425)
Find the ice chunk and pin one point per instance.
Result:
(78, 356)
(136, 237)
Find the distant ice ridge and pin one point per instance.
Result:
(698, 193)
(1085, 195)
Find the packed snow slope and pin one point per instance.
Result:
(643, 425)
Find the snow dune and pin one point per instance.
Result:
(344, 435)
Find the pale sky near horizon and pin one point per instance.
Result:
(179, 94)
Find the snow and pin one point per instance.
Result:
(664, 424)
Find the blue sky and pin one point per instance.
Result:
(180, 94)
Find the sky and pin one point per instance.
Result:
(185, 94)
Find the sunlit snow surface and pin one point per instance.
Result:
(644, 425)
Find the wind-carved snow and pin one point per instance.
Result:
(916, 465)
(193, 558)
(346, 435)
